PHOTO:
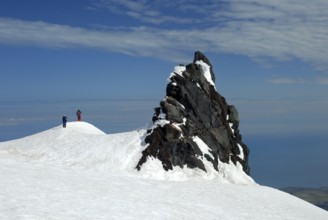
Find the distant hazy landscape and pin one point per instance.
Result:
(316, 196)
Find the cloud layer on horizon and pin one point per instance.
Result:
(280, 30)
(285, 80)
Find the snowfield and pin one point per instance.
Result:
(82, 173)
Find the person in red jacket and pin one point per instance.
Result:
(78, 114)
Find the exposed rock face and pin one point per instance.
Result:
(193, 115)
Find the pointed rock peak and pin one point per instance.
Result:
(194, 126)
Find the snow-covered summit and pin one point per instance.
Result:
(81, 127)
(83, 145)
(80, 144)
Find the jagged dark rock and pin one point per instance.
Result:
(193, 108)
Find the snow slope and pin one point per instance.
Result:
(82, 173)
(80, 144)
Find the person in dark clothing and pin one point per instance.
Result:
(78, 114)
(64, 121)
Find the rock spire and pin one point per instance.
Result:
(194, 124)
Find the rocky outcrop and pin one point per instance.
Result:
(194, 123)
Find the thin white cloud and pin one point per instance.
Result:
(145, 11)
(281, 30)
(321, 80)
(284, 80)
(11, 121)
(132, 41)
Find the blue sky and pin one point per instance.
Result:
(112, 58)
